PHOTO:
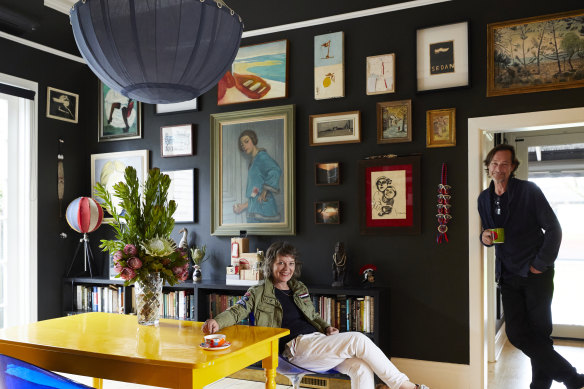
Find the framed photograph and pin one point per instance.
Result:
(62, 105)
(329, 66)
(442, 57)
(394, 121)
(380, 74)
(252, 172)
(389, 196)
(176, 141)
(335, 128)
(182, 191)
(184, 106)
(327, 173)
(327, 212)
(441, 127)
(535, 54)
(109, 169)
(258, 72)
(120, 118)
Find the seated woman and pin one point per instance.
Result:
(283, 301)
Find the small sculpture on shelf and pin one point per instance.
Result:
(184, 243)
(198, 257)
(368, 275)
(339, 265)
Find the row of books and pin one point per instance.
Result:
(346, 313)
(179, 304)
(109, 298)
(218, 303)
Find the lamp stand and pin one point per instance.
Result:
(87, 256)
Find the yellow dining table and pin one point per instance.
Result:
(114, 347)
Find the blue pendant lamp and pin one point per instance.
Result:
(157, 51)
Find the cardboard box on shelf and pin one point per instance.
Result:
(248, 260)
(238, 246)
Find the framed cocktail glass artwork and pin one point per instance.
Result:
(258, 72)
(120, 117)
(335, 128)
(535, 54)
(380, 74)
(389, 196)
(442, 57)
(183, 106)
(394, 121)
(62, 105)
(327, 173)
(327, 212)
(176, 141)
(252, 172)
(182, 191)
(329, 66)
(441, 127)
(109, 169)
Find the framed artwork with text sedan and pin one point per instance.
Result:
(252, 172)
(120, 118)
(535, 54)
(62, 105)
(335, 128)
(442, 57)
(176, 141)
(389, 196)
(441, 127)
(394, 121)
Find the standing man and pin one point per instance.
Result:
(525, 265)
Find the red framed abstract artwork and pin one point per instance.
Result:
(389, 196)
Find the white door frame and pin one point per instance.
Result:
(528, 121)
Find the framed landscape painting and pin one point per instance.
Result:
(535, 54)
(259, 72)
(335, 128)
(120, 118)
(389, 196)
(327, 212)
(394, 121)
(252, 172)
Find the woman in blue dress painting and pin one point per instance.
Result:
(263, 182)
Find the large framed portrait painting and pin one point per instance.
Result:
(252, 172)
(390, 196)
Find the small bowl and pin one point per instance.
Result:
(215, 340)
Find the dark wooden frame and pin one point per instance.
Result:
(313, 122)
(334, 203)
(162, 142)
(380, 129)
(451, 141)
(410, 225)
(338, 167)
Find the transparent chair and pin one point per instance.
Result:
(295, 373)
(17, 374)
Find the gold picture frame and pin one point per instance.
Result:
(441, 127)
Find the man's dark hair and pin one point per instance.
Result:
(502, 147)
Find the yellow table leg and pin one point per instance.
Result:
(97, 383)
(270, 364)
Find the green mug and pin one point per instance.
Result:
(498, 234)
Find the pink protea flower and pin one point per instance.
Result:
(118, 256)
(117, 267)
(127, 273)
(183, 276)
(135, 263)
(130, 249)
(177, 270)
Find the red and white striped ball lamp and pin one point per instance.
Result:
(84, 215)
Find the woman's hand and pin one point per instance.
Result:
(210, 326)
(262, 196)
(331, 330)
(239, 208)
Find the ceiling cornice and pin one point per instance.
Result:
(60, 5)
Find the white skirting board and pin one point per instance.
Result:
(436, 375)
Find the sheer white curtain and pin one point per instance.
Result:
(18, 205)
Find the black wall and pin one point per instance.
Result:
(429, 283)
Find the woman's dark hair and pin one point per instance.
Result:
(283, 249)
(252, 135)
(502, 147)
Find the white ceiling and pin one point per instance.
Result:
(60, 5)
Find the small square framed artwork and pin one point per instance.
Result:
(62, 105)
(380, 74)
(441, 127)
(327, 212)
(176, 141)
(442, 57)
(394, 121)
(327, 173)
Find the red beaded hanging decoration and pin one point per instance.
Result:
(443, 206)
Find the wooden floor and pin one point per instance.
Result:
(513, 370)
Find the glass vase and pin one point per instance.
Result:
(148, 299)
